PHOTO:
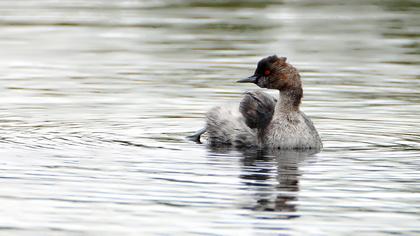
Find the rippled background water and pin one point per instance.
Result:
(97, 97)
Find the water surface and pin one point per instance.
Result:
(97, 97)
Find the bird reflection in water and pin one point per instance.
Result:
(260, 168)
(273, 178)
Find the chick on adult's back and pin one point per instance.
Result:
(261, 120)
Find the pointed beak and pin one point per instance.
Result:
(251, 79)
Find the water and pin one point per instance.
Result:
(97, 97)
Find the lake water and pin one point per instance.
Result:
(99, 95)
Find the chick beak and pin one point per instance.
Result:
(251, 79)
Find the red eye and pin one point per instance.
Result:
(267, 72)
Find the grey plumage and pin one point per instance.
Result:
(257, 108)
(290, 130)
(226, 126)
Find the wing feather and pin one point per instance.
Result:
(257, 108)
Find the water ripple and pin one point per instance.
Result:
(98, 97)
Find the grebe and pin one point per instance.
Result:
(262, 121)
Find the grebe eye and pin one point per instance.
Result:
(267, 72)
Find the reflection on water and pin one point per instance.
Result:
(271, 177)
(257, 166)
(97, 97)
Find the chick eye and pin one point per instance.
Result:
(267, 72)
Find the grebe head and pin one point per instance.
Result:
(274, 73)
